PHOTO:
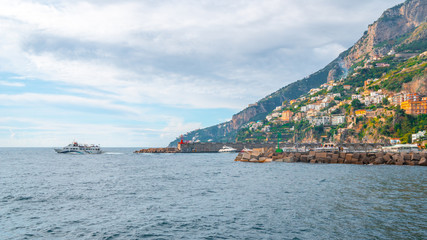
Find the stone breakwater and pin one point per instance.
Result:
(158, 150)
(264, 155)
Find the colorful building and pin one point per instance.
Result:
(286, 116)
(399, 98)
(414, 107)
(361, 112)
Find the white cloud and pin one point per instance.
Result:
(12, 84)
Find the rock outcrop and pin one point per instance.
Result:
(382, 36)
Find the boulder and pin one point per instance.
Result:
(423, 161)
(411, 163)
(400, 161)
(325, 160)
(387, 157)
(304, 158)
(268, 160)
(379, 160)
(348, 156)
(255, 154)
(391, 161)
(246, 156)
(260, 150)
(415, 157)
(321, 155)
(356, 155)
(406, 156)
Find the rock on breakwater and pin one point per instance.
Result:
(262, 155)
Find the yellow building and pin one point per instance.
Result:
(361, 112)
(286, 116)
(292, 101)
(414, 107)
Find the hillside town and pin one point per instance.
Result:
(351, 109)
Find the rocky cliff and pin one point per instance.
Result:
(397, 26)
(389, 31)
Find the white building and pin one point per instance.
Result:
(337, 119)
(314, 90)
(356, 96)
(418, 135)
(255, 126)
(266, 128)
(322, 120)
(275, 114)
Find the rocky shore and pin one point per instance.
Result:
(264, 155)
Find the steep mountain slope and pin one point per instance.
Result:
(397, 29)
(389, 31)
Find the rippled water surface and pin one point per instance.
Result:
(121, 195)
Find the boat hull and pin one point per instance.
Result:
(76, 149)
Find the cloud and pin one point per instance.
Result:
(12, 84)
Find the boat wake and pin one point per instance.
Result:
(113, 153)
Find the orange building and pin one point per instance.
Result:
(414, 107)
(286, 116)
(361, 112)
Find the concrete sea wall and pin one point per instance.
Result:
(262, 155)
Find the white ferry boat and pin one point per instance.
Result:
(226, 149)
(76, 148)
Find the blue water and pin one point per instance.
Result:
(121, 195)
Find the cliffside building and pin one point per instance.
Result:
(286, 116)
(337, 119)
(361, 112)
(414, 107)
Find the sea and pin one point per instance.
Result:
(123, 195)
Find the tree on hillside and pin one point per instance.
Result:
(356, 104)
(386, 102)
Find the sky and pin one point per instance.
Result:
(138, 73)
